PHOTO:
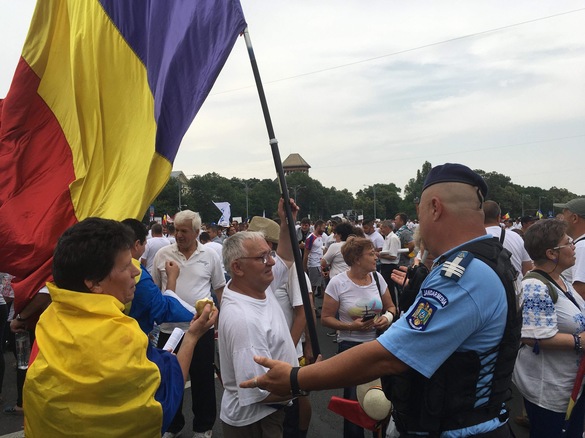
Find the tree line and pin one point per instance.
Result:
(255, 197)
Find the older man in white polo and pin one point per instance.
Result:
(200, 273)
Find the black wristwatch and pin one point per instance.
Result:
(19, 318)
(294, 383)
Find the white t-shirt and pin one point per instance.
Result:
(376, 238)
(514, 243)
(314, 244)
(328, 240)
(354, 302)
(289, 296)
(198, 276)
(392, 245)
(546, 379)
(577, 271)
(334, 259)
(152, 246)
(251, 327)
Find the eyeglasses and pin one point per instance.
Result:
(263, 257)
(570, 243)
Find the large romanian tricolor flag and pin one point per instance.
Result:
(100, 101)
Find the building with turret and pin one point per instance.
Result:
(295, 163)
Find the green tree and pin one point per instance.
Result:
(388, 201)
(337, 201)
(496, 183)
(206, 189)
(264, 197)
(167, 202)
(318, 201)
(413, 190)
(310, 195)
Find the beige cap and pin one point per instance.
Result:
(267, 226)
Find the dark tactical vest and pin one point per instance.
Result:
(446, 400)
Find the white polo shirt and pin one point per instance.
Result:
(199, 274)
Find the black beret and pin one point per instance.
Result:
(453, 172)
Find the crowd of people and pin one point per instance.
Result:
(448, 312)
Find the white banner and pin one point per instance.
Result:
(226, 212)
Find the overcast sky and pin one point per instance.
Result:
(367, 91)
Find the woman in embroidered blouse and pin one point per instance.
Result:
(355, 306)
(552, 338)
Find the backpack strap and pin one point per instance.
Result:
(375, 274)
(377, 280)
(552, 291)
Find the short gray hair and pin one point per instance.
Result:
(233, 247)
(388, 224)
(189, 217)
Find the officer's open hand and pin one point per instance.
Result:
(399, 275)
(277, 378)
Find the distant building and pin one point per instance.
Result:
(295, 163)
(178, 174)
(183, 186)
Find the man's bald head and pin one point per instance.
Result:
(450, 210)
(456, 198)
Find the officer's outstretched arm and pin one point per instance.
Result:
(359, 364)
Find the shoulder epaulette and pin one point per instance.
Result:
(455, 265)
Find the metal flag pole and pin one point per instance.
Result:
(285, 195)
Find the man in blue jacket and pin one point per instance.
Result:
(150, 304)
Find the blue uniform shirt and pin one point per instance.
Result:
(461, 307)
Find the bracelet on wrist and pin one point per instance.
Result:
(20, 318)
(295, 390)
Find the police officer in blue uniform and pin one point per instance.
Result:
(452, 353)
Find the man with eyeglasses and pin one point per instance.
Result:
(574, 215)
(452, 353)
(252, 323)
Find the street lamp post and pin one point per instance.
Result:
(539, 198)
(374, 187)
(182, 190)
(246, 188)
(522, 196)
(553, 207)
(295, 188)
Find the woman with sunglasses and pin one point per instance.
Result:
(552, 333)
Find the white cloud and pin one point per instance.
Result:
(502, 101)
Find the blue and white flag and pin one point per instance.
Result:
(226, 212)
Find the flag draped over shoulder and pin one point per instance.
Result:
(100, 101)
(85, 392)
